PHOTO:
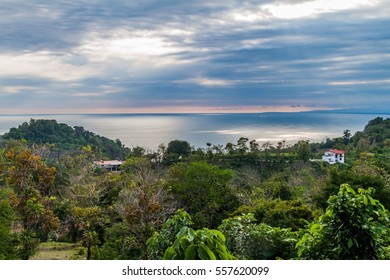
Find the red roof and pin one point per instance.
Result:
(337, 152)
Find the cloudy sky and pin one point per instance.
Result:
(123, 56)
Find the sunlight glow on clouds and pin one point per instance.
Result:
(132, 46)
(14, 89)
(102, 91)
(42, 64)
(206, 82)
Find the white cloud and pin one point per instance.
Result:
(100, 91)
(133, 46)
(42, 64)
(8, 90)
(314, 8)
(100, 53)
(248, 16)
(207, 82)
(302, 9)
(360, 82)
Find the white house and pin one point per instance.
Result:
(111, 165)
(334, 156)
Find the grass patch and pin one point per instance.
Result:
(55, 251)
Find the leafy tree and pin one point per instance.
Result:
(84, 197)
(7, 238)
(292, 214)
(355, 226)
(176, 150)
(138, 151)
(204, 191)
(143, 203)
(364, 173)
(346, 136)
(31, 181)
(119, 244)
(254, 146)
(242, 145)
(88, 219)
(63, 137)
(276, 187)
(49, 187)
(248, 240)
(373, 137)
(203, 244)
(230, 148)
(27, 244)
(160, 241)
(87, 192)
(303, 150)
(212, 150)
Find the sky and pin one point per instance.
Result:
(167, 56)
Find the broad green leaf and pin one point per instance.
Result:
(169, 254)
(221, 247)
(372, 201)
(222, 255)
(209, 252)
(191, 234)
(182, 232)
(190, 253)
(202, 253)
(219, 234)
(176, 245)
(184, 242)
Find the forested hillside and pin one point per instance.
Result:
(243, 200)
(60, 137)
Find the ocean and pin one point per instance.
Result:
(151, 130)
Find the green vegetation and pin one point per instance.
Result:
(244, 200)
(7, 238)
(203, 244)
(354, 226)
(161, 241)
(56, 251)
(60, 137)
(250, 241)
(204, 192)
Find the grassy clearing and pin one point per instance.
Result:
(55, 251)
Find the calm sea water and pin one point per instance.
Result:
(150, 130)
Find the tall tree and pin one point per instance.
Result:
(176, 150)
(303, 150)
(143, 203)
(31, 181)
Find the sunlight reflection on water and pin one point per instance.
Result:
(150, 130)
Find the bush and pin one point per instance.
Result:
(355, 226)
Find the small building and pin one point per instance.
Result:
(334, 156)
(110, 165)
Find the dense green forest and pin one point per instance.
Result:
(243, 200)
(61, 137)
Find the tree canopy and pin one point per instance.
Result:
(65, 137)
(246, 200)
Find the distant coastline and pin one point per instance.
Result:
(151, 130)
(358, 111)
